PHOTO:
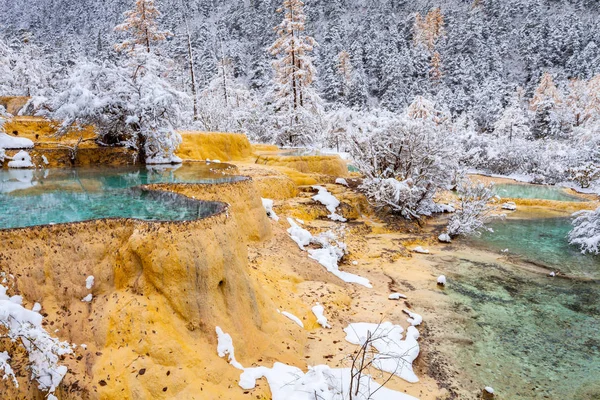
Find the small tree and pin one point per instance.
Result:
(405, 159)
(297, 106)
(474, 209)
(586, 231)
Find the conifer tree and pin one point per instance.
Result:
(142, 26)
(297, 105)
(545, 105)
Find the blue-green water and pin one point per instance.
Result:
(533, 336)
(40, 197)
(542, 241)
(514, 190)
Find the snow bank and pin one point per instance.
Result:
(394, 355)
(21, 160)
(44, 352)
(291, 383)
(396, 296)
(319, 382)
(225, 347)
(11, 142)
(330, 202)
(268, 205)
(420, 250)
(319, 310)
(329, 258)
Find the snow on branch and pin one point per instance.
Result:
(586, 231)
(44, 352)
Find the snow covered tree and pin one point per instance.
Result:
(225, 104)
(297, 106)
(586, 231)
(513, 122)
(545, 106)
(405, 160)
(131, 103)
(474, 209)
(139, 110)
(142, 27)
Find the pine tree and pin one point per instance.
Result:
(513, 122)
(297, 105)
(142, 26)
(545, 104)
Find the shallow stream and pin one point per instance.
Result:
(530, 336)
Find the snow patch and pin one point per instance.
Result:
(341, 181)
(88, 298)
(511, 206)
(394, 355)
(396, 296)
(11, 142)
(225, 347)
(319, 310)
(21, 160)
(268, 205)
(415, 319)
(293, 318)
(330, 202)
(444, 238)
(89, 282)
(420, 250)
(301, 236)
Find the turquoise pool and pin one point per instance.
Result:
(514, 190)
(41, 197)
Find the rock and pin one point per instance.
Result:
(487, 393)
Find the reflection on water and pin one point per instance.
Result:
(534, 337)
(39, 197)
(513, 190)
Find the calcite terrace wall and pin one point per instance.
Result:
(161, 289)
